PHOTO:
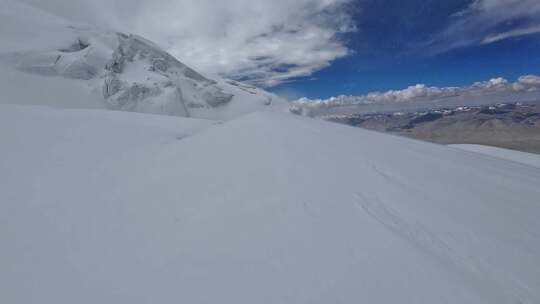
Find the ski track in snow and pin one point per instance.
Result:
(421, 238)
(415, 234)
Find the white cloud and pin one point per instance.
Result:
(509, 34)
(421, 93)
(489, 21)
(267, 42)
(528, 83)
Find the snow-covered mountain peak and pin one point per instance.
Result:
(123, 72)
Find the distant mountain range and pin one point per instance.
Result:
(514, 126)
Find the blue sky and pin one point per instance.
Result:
(323, 48)
(401, 43)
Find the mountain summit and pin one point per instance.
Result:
(122, 72)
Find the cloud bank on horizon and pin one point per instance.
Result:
(258, 41)
(421, 93)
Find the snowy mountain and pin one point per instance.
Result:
(119, 71)
(112, 207)
(512, 126)
(100, 206)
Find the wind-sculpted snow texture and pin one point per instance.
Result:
(123, 72)
(110, 207)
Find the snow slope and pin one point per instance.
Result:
(110, 70)
(111, 207)
(506, 154)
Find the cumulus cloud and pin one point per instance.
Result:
(421, 94)
(489, 21)
(263, 42)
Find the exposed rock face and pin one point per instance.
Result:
(79, 45)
